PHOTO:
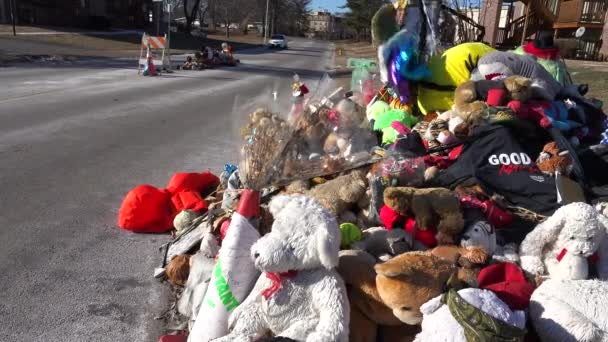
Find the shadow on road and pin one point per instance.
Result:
(279, 71)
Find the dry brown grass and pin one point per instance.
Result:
(123, 45)
(594, 74)
(346, 49)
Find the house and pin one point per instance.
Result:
(321, 24)
(95, 14)
(562, 17)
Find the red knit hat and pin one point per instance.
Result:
(508, 282)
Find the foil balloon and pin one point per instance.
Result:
(399, 84)
(403, 67)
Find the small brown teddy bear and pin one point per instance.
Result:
(471, 260)
(178, 269)
(430, 207)
(473, 97)
(551, 160)
(342, 193)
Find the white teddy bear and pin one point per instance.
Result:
(299, 296)
(439, 325)
(557, 245)
(571, 310)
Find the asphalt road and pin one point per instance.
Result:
(74, 138)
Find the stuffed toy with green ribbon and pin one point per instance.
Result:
(470, 315)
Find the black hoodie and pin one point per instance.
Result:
(501, 165)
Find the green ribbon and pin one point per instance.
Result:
(479, 326)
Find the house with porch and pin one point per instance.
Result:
(525, 18)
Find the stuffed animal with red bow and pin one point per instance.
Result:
(566, 244)
(299, 294)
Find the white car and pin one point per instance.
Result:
(277, 41)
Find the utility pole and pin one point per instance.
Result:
(158, 9)
(266, 24)
(169, 9)
(13, 15)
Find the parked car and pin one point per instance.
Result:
(278, 41)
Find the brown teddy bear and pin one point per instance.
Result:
(342, 193)
(430, 207)
(464, 257)
(551, 160)
(387, 297)
(369, 316)
(472, 97)
(178, 269)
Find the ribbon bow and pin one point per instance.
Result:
(276, 282)
(593, 258)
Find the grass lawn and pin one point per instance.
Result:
(346, 49)
(595, 74)
(121, 45)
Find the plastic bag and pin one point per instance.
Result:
(399, 170)
(262, 137)
(331, 135)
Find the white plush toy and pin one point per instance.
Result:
(481, 234)
(299, 295)
(201, 267)
(602, 208)
(439, 325)
(184, 219)
(559, 244)
(571, 310)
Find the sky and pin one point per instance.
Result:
(331, 5)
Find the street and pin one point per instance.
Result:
(74, 138)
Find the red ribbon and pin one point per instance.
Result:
(276, 282)
(472, 202)
(593, 258)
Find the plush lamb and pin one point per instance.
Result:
(439, 325)
(300, 295)
(571, 310)
(576, 229)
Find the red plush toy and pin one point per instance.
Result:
(532, 111)
(391, 219)
(147, 209)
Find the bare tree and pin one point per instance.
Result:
(230, 12)
(191, 11)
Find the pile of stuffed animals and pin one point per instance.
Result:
(466, 201)
(433, 269)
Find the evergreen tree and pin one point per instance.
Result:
(359, 16)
